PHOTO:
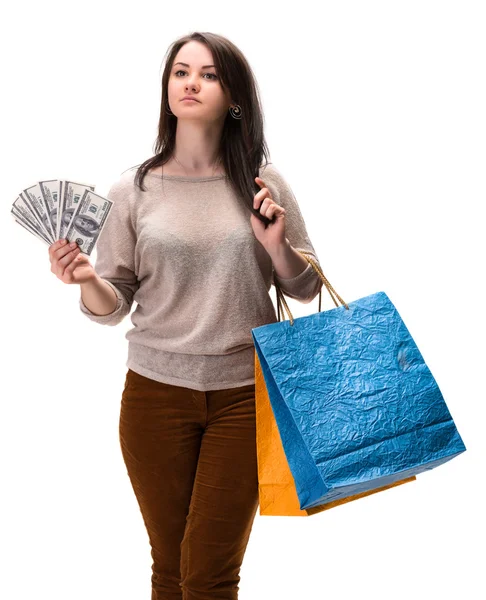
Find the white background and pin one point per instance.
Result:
(375, 114)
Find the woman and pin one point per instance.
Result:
(200, 269)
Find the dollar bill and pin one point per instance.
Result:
(88, 221)
(70, 194)
(26, 225)
(50, 190)
(21, 208)
(33, 198)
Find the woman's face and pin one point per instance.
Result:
(203, 84)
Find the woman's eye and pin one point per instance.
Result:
(212, 74)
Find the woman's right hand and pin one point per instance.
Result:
(69, 264)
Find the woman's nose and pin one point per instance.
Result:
(191, 83)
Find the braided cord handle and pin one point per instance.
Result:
(281, 302)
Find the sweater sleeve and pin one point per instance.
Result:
(306, 285)
(115, 256)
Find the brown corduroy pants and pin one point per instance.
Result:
(191, 460)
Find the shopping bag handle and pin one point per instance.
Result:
(281, 302)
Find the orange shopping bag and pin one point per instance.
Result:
(277, 492)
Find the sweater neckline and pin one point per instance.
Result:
(186, 178)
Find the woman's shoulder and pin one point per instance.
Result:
(266, 168)
(122, 186)
(270, 171)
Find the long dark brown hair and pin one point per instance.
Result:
(242, 145)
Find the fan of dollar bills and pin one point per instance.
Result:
(57, 208)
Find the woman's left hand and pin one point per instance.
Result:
(273, 236)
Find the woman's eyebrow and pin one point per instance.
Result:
(186, 65)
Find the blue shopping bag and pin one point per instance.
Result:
(356, 406)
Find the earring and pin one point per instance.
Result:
(235, 112)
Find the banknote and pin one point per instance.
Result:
(26, 225)
(70, 194)
(21, 208)
(88, 221)
(33, 198)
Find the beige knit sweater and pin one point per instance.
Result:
(185, 252)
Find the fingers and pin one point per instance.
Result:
(263, 194)
(64, 260)
(60, 249)
(61, 254)
(75, 261)
(56, 246)
(68, 258)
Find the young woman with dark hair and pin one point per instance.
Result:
(181, 243)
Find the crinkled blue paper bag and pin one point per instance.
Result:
(356, 406)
